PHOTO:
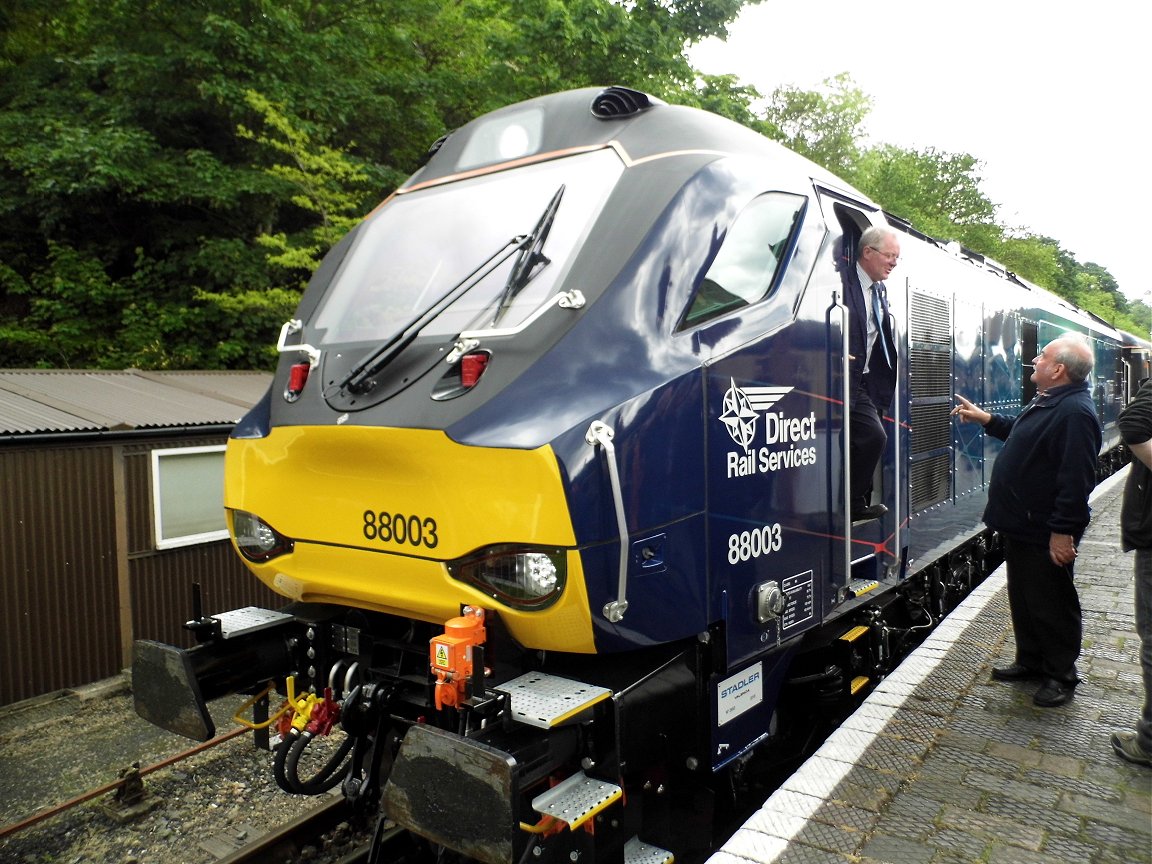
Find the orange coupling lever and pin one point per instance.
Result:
(451, 655)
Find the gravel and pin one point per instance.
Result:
(57, 748)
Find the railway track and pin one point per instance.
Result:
(117, 786)
(71, 761)
(327, 833)
(287, 842)
(332, 834)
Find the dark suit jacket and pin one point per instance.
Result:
(880, 382)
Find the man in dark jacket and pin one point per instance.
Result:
(1135, 424)
(1038, 502)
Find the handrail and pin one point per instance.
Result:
(846, 370)
(600, 434)
(295, 325)
(897, 530)
(469, 340)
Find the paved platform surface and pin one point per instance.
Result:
(943, 765)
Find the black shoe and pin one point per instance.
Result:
(869, 511)
(1053, 693)
(1015, 672)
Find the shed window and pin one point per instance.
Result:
(188, 495)
(748, 263)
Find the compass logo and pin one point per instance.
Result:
(742, 407)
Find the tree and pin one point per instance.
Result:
(822, 124)
(169, 172)
(938, 192)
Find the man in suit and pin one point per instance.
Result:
(872, 363)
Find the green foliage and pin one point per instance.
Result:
(322, 181)
(170, 173)
(822, 124)
(937, 192)
(726, 96)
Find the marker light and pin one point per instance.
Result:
(462, 375)
(472, 366)
(297, 378)
(256, 539)
(517, 576)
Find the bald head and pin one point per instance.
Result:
(1076, 356)
(1065, 360)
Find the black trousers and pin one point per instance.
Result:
(866, 444)
(1045, 607)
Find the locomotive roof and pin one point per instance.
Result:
(641, 127)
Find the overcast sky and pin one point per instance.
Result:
(1054, 98)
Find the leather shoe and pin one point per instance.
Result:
(1053, 693)
(1015, 672)
(869, 511)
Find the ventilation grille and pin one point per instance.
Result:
(930, 337)
(931, 373)
(931, 320)
(618, 102)
(930, 481)
(931, 427)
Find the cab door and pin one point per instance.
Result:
(767, 426)
(871, 551)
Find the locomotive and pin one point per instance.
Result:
(551, 476)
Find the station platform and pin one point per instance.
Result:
(943, 765)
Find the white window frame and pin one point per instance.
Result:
(160, 540)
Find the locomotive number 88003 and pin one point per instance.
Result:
(552, 480)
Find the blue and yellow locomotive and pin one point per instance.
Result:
(553, 470)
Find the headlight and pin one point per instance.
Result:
(517, 576)
(256, 539)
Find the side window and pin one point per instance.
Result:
(748, 263)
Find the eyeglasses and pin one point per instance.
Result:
(891, 257)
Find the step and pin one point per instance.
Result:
(638, 852)
(545, 701)
(240, 622)
(857, 587)
(577, 799)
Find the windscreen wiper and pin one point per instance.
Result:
(531, 259)
(357, 380)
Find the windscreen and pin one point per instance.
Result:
(422, 246)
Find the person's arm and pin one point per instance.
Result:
(1075, 467)
(995, 425)
(1135, 424)
(1143, 452)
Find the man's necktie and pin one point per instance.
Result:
(879, 322)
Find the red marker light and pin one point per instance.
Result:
(472, 366)
(297, 378)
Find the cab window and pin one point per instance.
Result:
(747, 267)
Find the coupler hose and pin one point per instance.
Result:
(286, 765)
(313, 716)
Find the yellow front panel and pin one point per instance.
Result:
(375, 513)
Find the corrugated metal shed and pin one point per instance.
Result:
(81, 573)
(47, 401)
